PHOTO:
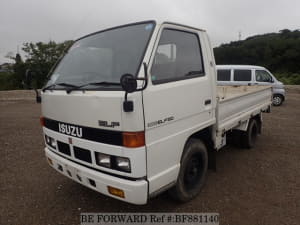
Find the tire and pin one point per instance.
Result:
(277, 100)
(249, 137)
(192, 174)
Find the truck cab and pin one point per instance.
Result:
(130, 111)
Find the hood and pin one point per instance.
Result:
(96, 109)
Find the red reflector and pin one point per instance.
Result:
(42, 121)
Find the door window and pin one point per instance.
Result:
(178, 56)
(263, 76)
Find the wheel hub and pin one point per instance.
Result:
(193, 172)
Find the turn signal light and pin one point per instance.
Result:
(116, 191)
(133, 139)
(50, 161)
(42, 121)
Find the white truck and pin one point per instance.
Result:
(134, 110)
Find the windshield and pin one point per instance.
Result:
(103, 57)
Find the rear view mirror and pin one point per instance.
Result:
(129, 84)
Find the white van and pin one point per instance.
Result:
(250, 75)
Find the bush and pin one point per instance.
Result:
(6, 81)
(289, 78)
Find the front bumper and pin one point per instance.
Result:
(136, 192)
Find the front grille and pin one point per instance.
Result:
(64, 148)
(82, 154)
(89, 133)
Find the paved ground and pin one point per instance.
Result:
(258, 186)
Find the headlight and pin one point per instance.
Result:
(103, 160)
(50, 141)
(113, 162)
(123, 164)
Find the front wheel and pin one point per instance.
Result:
(277, 100)
(192, 174)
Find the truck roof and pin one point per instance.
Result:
(239, 67)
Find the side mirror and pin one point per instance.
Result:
(128, 83)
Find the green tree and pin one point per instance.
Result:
(19, 72)
(279, 52)
(16, 79)
(41, 57)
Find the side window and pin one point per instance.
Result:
(223, 75)
(178, 56)
(262, 76)
(242, 75)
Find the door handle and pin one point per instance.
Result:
(207, 102)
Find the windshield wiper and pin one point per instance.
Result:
(194, 72)
(60, 84)
(102, 83)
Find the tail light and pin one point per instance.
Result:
(42, 121)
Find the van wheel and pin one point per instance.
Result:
(192, 174)
(277, 100)
(249, 136)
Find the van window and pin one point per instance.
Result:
(178, 56)
(242, 75)
(262, 76)
(223, 75)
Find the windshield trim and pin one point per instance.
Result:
(97, 32)
(117, 27)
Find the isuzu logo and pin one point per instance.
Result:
(70, 130)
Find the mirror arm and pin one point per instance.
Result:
(145, 78)
(128, 105)
(38, 98)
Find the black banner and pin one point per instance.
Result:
(89, 133)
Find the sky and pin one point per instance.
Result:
(58, 20)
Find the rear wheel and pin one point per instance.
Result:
(249, 137)
(277, 100)
(192, 172)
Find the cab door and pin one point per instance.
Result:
(177, 102)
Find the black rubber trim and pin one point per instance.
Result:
(89, 133)
(101, 171)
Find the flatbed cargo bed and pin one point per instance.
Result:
(237, 103)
